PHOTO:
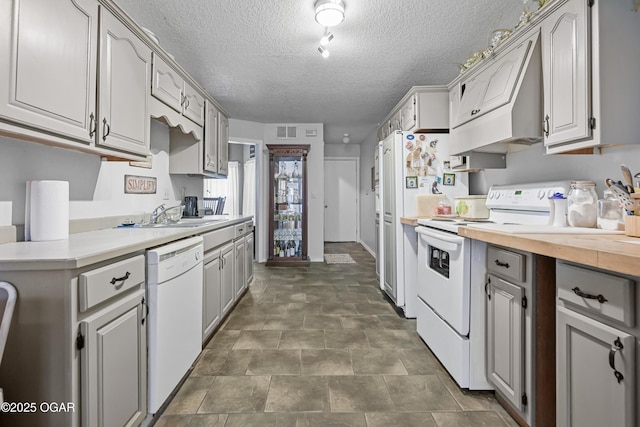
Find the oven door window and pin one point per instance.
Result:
(439, 261)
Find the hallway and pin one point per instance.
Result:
(320, 346)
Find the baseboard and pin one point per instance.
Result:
(372, 252)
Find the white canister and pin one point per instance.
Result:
(582, 204)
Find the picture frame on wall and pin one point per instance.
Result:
(411, 182)
(449, 179)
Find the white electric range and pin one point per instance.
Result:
(452, 274)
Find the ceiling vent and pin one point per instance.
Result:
(286, 132)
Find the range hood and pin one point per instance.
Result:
(475, 162)
(498, 108)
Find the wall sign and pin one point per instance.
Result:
(134, 184)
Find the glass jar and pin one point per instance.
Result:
(610, 214)
(582, 202)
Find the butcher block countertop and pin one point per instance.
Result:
(615, 252)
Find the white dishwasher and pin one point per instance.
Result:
(174, 329)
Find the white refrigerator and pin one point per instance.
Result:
(409, 164)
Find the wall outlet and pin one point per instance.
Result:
(166, 195)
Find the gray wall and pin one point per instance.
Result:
(533, 165)
(367, 197)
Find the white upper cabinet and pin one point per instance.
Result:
(48, 65)
(223, 144)
(408, 114)
(422, 109)
(169, 87)
(493, 87)
(125, 76)
(211, 138)
(591, 95)
(566, 74)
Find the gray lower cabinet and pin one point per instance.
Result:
(596, 352)
(239, 277)
(596, 373)
(248, 259)
(227, 277)
(114, 364)
(505, 338)
(389, 242)
(212, 308)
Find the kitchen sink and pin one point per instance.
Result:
(182, 223)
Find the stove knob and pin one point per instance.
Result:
(550, 193)
(491, 195)
(498, 195)
(540, 194)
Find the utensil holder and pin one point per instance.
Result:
(632, 225)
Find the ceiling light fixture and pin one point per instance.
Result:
(324, 41)
(324, 52)
(329, 12)
(346, 138)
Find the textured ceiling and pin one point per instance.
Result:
(259, 58)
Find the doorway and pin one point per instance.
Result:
(341, 205)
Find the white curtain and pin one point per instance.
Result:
(232, 204)
(249, 188)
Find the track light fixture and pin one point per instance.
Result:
(324, 41)
(324, 52)
(346, 138)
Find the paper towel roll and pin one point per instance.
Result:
(47, 210)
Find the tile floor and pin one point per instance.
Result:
(320, 346)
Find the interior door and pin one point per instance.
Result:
(341, 200)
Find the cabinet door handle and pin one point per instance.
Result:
(545, 126)
(474, 112)
(186, 102)
(120, 280)
(106, 129)
(617, 346)
(486, 290)
(502, 264)
(601, 299)
(182, 99)
(145, 310)
(92, 125)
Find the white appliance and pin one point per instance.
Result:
(410, 164)
(174, 329)
(452, 274)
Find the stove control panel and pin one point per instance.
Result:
(525, 197)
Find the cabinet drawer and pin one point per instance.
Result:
(217, 237)
(241, 230)
(106, 282)
(506, 263)
(248, 227)
(596, 292)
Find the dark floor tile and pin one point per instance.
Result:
(208, 420)
(229, 395)
(359, 394)
(223, 340)
(464, 419)
(361, 322)
(295, 308)
(307, 338)
(377, 308)
(274, 362)
(287, 297)
(383, 338)
(393, 321)
(173, 421)
(322, 321)
(262, 420)
(326, 362)
(332, 420)
(248, 340)
(421, 419)
(222, 363)
(420, 361)
(298, 394)
(338, 308)
(346, 339)
(419, 393)
(244, 322)
(283, 322)
(377, 362)
(190, 396)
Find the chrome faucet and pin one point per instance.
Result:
(157, 213)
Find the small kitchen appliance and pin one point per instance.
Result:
(191, 206)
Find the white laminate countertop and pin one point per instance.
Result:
(83, 249)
